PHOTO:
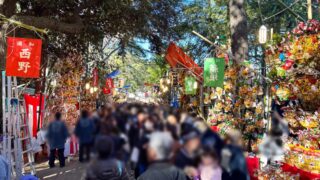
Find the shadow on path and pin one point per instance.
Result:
(74, 170)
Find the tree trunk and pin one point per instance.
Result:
(239, 30)
(239, 38)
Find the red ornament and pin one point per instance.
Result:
(289, 63)
(312, 80)
(226, 58)
(106, 90)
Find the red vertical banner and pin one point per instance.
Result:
(23, 57)
(109, 83)
(32, 109)
(95, 77)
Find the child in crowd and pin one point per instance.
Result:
(209, 168)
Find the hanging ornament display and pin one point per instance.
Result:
(297, 89)
(65, 97)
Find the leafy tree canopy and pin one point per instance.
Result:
(76, 23)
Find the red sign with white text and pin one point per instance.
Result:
(109, 83)
(23, 57)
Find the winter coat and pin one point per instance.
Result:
(57, 134)
(209, 173)
(106, 169)
(234, 163)
(183, 160)
(4, 169)
(85, 131)
(161, 171)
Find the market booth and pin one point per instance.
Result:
(184, 78)
(294, 68)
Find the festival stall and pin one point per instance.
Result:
(238, 104)
(184, 79)
(294, 68)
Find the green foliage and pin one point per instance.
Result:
(208, 18)
(153, 20)
(136, 71)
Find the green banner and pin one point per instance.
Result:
(190, 85)
(214, 72)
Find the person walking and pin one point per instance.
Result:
(106, 167)
(186, 156)
(233, 160)
(85, 130)
(159, 152)
(56, 136)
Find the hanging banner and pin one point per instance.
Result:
(190, 83)
(23, 57)
(95, 77)
(109, 83)
(175, 56)
(113, 74)
(32, 111)
(214, 72)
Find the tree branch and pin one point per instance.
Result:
(291, 11)
(51, 24)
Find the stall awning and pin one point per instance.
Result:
(175, 56)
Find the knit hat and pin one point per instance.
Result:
(104, 146)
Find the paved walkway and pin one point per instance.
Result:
(72, 171)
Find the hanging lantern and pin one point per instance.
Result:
(195, 85)
(95, 89)
(164, 84)
(263, 34)
(91, 90)
(87, 86)
(53, 83)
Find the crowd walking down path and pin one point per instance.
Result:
(143, 141)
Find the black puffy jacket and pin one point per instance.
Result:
(163, 171)
(107, 169)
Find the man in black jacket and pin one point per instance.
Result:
(105, 167)
(159, 151)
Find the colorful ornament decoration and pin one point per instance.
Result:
(65, 97)
(296, 84)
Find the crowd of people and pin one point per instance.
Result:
(150, 142)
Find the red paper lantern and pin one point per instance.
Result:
(106, 90)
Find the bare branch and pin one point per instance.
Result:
(291, 11)
(51, 24)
